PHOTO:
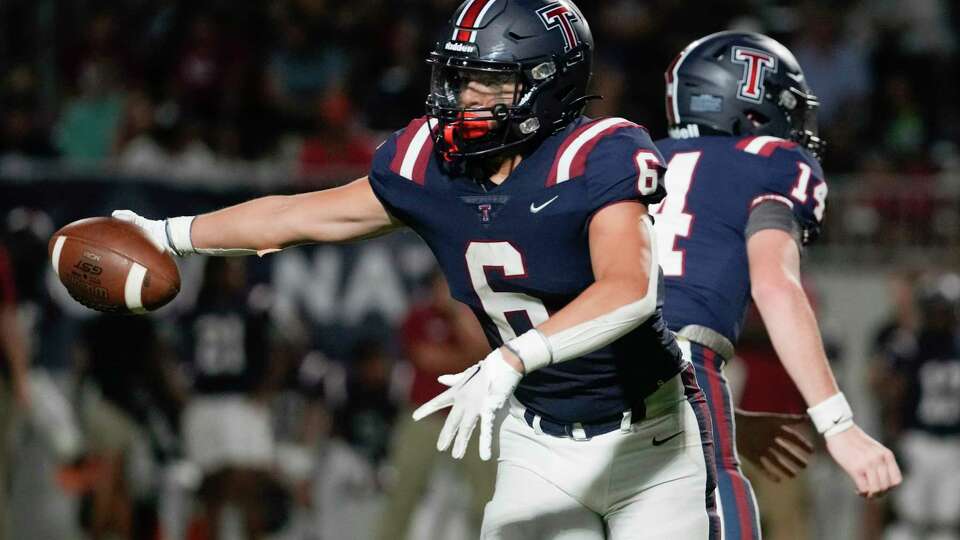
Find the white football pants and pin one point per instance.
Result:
(618, 485)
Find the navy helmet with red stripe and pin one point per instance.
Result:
(741, 83)
(537, 53)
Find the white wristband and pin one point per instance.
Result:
(178, 234)
(532, 349)
(832, 415)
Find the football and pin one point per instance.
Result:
(111, 266)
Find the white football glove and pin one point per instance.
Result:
(475, 394)
(171, 235)
(155, 229)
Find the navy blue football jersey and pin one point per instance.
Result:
(227, 348)
(519, 251)
(930, 369)
(713, 184)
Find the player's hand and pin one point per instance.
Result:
(475, 395)
(155, 229)
(768, 441)
(869, 464)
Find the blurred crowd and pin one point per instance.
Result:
(223, 419)
(295, 94)
(307, 88)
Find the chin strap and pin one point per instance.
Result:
(471, 127)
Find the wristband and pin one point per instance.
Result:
(532, 349)
(178, 234)
(832, 415)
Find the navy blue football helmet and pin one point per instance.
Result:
(536, 55)
(741, 83)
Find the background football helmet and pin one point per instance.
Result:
(741, 83)
(543, 48)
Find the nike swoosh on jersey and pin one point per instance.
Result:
(534, 208)
(658, 442)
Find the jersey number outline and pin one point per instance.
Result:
(485, 255)
(799, 191)
(672, 220)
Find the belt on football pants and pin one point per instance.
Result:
(664, 398)
(709, 338)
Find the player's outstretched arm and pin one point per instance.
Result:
(267, 224)
(775, 285)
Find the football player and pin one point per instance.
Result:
(745, 193)
(922, 383)
(538, 218)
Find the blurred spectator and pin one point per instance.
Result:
(129, 400)
(14, 386)
(923, 377)
(302, 67)
(895, 337)
(87, 131)
(22, 133)
(365, 416)
(824, 49)
(784, 506)
(201, 71)
(399, 91)
(137, 146)
(227, 429)
(439, 336)
(337, 149)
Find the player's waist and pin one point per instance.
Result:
(708, 338)
(661, 401)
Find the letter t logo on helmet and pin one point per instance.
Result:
(755, 64)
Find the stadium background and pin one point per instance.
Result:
(172, 107)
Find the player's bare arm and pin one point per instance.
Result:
(266, 224)
(774, 259)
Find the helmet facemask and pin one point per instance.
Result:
(483, 109)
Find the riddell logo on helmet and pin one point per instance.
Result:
(755, 65)
(460, 47)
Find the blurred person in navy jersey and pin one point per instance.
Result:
(129, 401)
(227, 427)
(923, 387)
(14, 387)
(439, 336)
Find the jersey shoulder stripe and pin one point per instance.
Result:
(571, 158)
(412, 155)
(763, 145)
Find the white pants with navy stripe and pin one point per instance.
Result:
(617, 486)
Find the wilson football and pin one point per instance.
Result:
(111, 266)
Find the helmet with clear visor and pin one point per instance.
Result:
(506, 74)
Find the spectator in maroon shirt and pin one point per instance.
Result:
(439, 336)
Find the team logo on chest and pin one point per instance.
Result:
(558, 15)
(755, 65)
(486, 206)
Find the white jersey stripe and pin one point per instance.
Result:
(771, 197)
(566, 159)
(57, 249)
(756, 145)
(413, 151)
(133, 288)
